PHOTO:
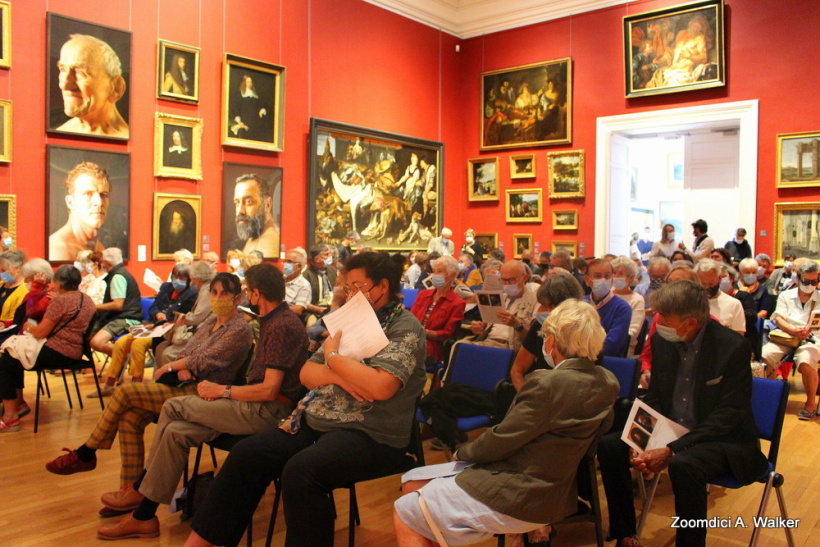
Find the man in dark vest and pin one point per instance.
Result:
(121, 307)
(322, 276)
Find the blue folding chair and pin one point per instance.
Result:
(627, 371)
(409, 297)
(146, 304)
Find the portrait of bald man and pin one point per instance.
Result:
(251, 218)
(88, 78)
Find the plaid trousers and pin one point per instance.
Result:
(131, 408)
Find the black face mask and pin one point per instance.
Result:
(526, 261)
(254, 308)
(712, 292)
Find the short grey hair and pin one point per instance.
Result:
(659, 262)
(446, 232)
(706, 265)
(626, 264)
(35, 266)
(201, 271)
(111, 61)
(748, 263)
(13, 259)
(807, 267)
(467, 255)
(112, 255)
(450, 264)
(731, 272)
(183, 255)
(82, 256)
(301, 257)
(557, 288)
(490, 264)
(564, 257)
(682, 298)
(762, 257)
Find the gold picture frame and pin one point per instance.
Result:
(5, 131)
(565, 219)
(177, 225)
(522, 166)
(566, 174)
(790, 159)
(8, 216)
(177, 146)
(488, 240)
(253, 117)
(525, 205)
(793, 227)
(5, 43)
(175, 81)
(482, 179)
(521, 243)
(570, 246)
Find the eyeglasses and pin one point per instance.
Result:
(509, 280)
(807, 282)
(356, 288)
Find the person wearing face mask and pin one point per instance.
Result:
(764, 303)
(174, 296)
(764, 262)
(701, 380)
(13, 290)
(469, 275)
(94, 278)
(6, 241)
(657, 270)
(413, 274)
(739, 247)
(473, 247)
(625, 271)
(321, 275)
(703, 245)
(667, 244)
(729, 281)
(615, 312)
(234, 261)
(781, 278)
(443, 244)
(439, 310)
(792, 315)
(728, 310)
(182, 256)
(212, 354)
(269, 395)
(297, 288)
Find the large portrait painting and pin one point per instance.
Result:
(797, 230)
(177, 225)
(385, 186)
(674, 49)
(527, 105)
(88, 79)
(87, 201)
(177, 72)
(798, 160)
(177, 146)
(251, 209)
(253, 104)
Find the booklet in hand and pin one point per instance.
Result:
(362, 334)
(647, 428)
(489, 304)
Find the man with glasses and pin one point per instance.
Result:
(615, 312)
(792, 315)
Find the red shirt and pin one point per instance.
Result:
(444, 319)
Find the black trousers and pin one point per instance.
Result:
(12, 371)
(311, 465)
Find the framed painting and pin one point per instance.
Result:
(798, 160)
(482, 179)
(524, 205)
(251, 209)
(521, 243)
(527, 105)
(797, 230)
(569, 246)
(488, 240)
(177, 72)
(674, 49)
(5, 38)
(8, 217)
(522, 166)
(386, 187)
(75, 48)
(177, 147)
(87, 201)
(674, 170)
(253, 104)
(177, 225)
(566, 174)
(5, 131)
(565, 219)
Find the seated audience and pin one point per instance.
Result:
(443, 244)
(297, 288)
(469, 274)
(721, 255)
(13, 289)
(439, 310)
(211, 259)
(728, 283)
(544, 262)
(94, 281)
(352, 426)
(426, 269)
(63, 327)
(121, 308)
(344, 248)
(701, 380)
(781, 278)
(562, 259)
(764, 267)
(792, 316)
(625, 272)
(247, 262)
(6, 241)
(271, 391)
(615, 312)
(749, 283)
(182, 256)
(321, 275)
(498, 254)
(214, 353)
(413, 273)
(679, 255)
(38, 274)
(539, 445)
(728, 310)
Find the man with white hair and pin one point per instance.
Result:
(121, 307)
(728, 310)
(297, 288)
(90, 78)
(444, 244)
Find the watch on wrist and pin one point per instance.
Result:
(329, 356)
(227, 393)
(520, 327)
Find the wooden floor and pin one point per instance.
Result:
(38, 508)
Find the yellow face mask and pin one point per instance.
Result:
(222, 307)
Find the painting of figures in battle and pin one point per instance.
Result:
(384, 186)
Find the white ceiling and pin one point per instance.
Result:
(468, 18)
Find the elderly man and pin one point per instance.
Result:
(764, 262)
(90, 78)
(700, 379)
(792, 314)
(728, 310)
(87, 198)
(615, 312)
(255, 225)
(343, 249)
(443, 244)
(322, 277)
(658, 268)
(297, 288)
(562, 259)
(212, 259)
(121, 307)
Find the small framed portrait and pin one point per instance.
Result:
(524, 205)
(5, 131)
(488, 240)
(177, 72)
(177, 225)
(251, 208)
(521, 243)
(177, 147)
(798, 160)
(5, 38)
(674, 49)
(253, 104)
(569, 246)
(566, 174)
(796, 230)
(565, 219)
(87, 200)
(522, 166)
(77, 104)
(8, 219)
(482, 175)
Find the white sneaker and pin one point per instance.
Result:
(105, 390)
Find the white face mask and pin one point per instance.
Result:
(669, 334)
(470, 239)
(806, 289)
(601, 287)
(725, 284)
(749, 279)
(761, 271)
(512, 290)
(547, 356)
(619, 283)
(234, 263)
(438, 280)
(542, 316)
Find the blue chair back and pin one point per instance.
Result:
(479, 367)
(627, 371)
(146, 305)
(641, 340)
(409, 297)
(769, 399)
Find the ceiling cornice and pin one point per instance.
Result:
(469, 18)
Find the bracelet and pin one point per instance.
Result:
(170, 368)
(329, 356)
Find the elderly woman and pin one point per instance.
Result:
(38, 274)
(625, 273)
(13, 290)
(728, 284)
(439, 310)
(523, 472)
(557, 288)
(6, 241)
(469, 274)
(352, 426)
(63, 327)
(750, 283)
(234, 261)
(174, 296)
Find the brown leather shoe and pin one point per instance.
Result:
(130, 528)
(126, 499)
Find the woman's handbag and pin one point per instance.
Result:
(783, 339)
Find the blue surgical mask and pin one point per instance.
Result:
(179, 285)
(78, 265)
(6, 277)
(541, 316)
(329, 261)
(749, 279)
(461, 266)
(601, 287)
(788, 265)
(725, 284)
(287, 269)
(89, 268)
(669, 334)
(438, 280)
(619, 283)
(240, 272)
(7, 242)
(512, 290)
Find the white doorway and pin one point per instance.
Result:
(696, 162)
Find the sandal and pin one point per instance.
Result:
(9, 427)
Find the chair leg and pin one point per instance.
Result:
(213, 456)
(501, 539)
(45, 383)
(99, 392)
(40, 374)
(595, 503)
(353, 519)
(67, 393)
(77, 387)
(650, 495)
(782, 503)
(276, 498)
